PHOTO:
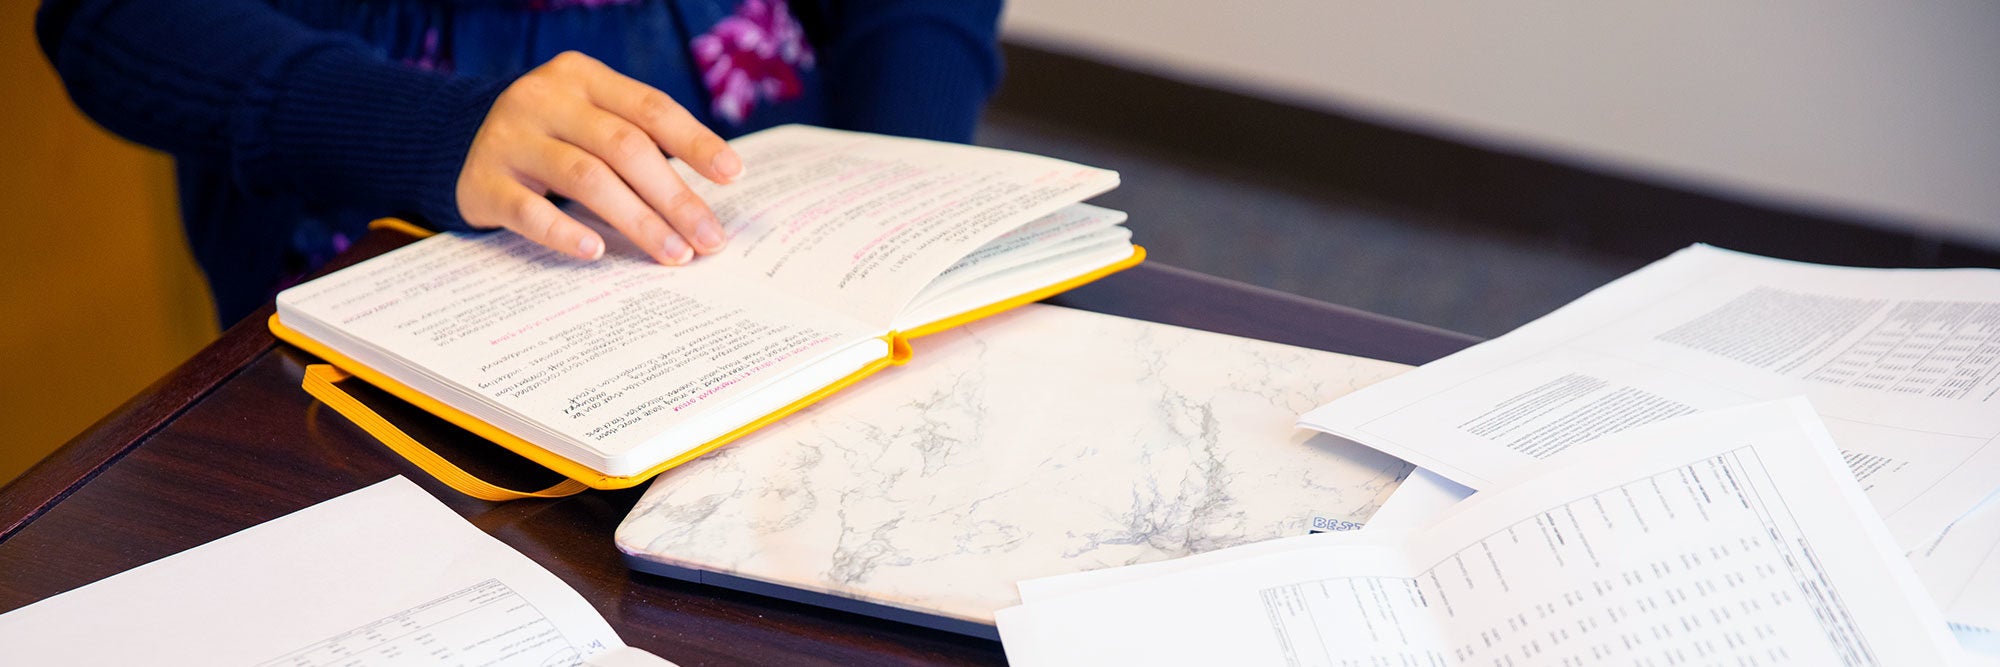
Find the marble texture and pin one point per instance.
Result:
(1039, 442)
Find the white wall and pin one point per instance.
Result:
(1886, 111)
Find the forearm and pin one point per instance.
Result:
(289, 108)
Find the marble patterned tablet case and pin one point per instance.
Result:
(1037, 442)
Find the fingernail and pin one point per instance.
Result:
(709, 235)
(590, 247)
(677, 249)
(728, 165)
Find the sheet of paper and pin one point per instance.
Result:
(1961, 569)
(1904, 365)
(865, 221)
(1981, 647)
(1732, 537)
(1419, 501)
(383, 576)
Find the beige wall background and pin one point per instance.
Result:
(1889, 110)
(101, 296)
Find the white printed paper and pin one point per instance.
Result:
(1419, 501)
(1961, 569)
(1903, 365)
(1732, 537)
(382, 576)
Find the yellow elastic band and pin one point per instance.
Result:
(319, 382)
(399, 225)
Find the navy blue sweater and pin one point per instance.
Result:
(292, 123)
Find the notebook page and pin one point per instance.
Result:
(1734, 537)
(865, 221)
(603, 356)
(1904, 365)
(1074, 227)
(382, 576)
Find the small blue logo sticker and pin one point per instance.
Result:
(1327, 524)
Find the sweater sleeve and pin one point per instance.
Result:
(920, 68)
(288, 108)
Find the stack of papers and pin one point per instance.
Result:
(1894, 373)
(1902, 365)
(1727, 538)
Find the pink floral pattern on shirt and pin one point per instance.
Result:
(753, 55)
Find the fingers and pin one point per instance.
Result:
(668, 201)
(667, 122)
(532, 215)
(577, 128)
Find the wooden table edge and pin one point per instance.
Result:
(74, 464)
(1438, 337)
(103, 443)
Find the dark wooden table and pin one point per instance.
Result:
(229, 440)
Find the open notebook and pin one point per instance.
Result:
(843, 246)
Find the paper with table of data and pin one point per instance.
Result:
(1732, 537)
(382, 576)
(1903, 365)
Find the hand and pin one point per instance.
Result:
(577, 128)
